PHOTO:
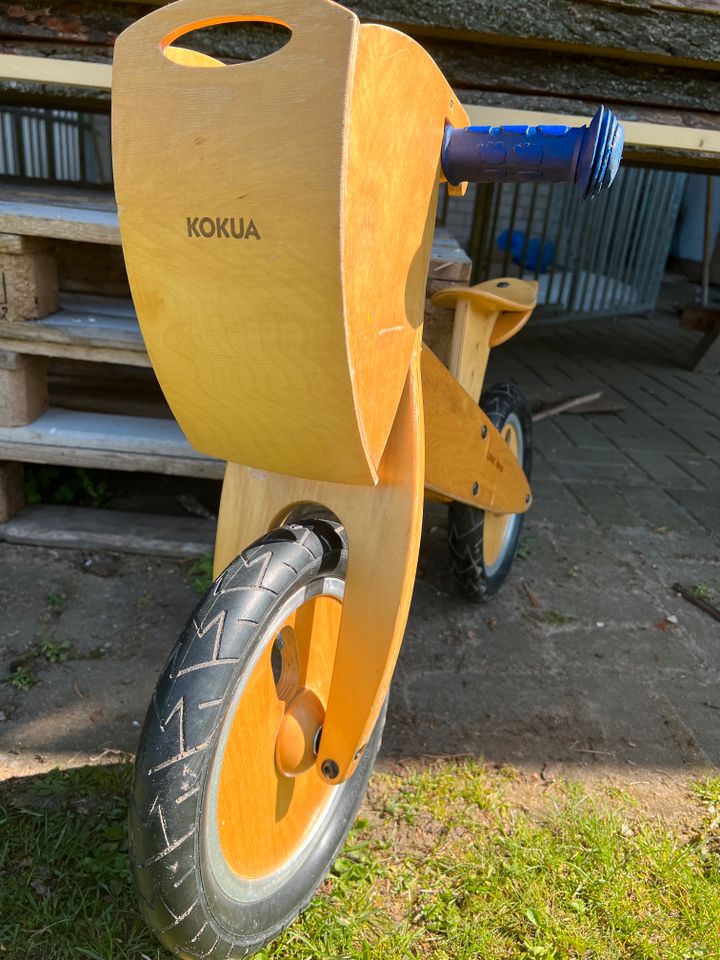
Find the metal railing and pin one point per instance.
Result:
(47, 145)
(602, 258)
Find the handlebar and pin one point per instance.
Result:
(589, 156)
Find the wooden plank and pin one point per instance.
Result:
(383, 525)
(72, 214)
(638, 134)
(103, 330)
(542, 73)
(466, 459)
(54, 346)
(448, 261)
(85, 528)
(628, 30)
(46, 70)
(11, 489)
(61, 222)
(28, 278)
(680, 31)
(23, 389)
(108, 441)
(648, 135)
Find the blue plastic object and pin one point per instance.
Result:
(589, 156)
(527, 253)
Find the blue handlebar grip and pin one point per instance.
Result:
(589, 156)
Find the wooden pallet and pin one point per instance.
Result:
(38, 323)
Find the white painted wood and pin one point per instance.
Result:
(88, 528)
(108, 441)
(101, 329)
(59, 222)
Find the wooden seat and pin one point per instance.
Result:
(486, 315)
(506, 303)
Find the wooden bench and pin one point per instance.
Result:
(39, 323)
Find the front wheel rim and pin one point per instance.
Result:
(260, 826)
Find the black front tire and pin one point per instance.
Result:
(475, 580)
(182, 894)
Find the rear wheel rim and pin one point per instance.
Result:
(499, 528)
(260, 825)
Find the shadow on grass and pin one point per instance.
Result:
(457, 861)
(65, 884)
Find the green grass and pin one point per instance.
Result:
(67, 485)
(22, 678)
(557, 619)
(200, 572)
(454, 861)
(55, 651)
(55, 601)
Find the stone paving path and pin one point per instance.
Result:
(575, 663)
(625, 505)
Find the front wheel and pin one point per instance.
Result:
(481, 544)
(226, 848)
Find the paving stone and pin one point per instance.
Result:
(657, 508)
(691, 716)
(586, 600)
(584, 433)
(554, 503)
(664, 470)
(641, 716)
(654, 438)
(571, 472)
(549, 438)
(698, 434)
(648, 651)
(592, 455)
(703, 505)
(606, 506)
(704, 469)
(514, 718)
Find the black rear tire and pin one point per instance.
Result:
(475, 580)
(187, 900)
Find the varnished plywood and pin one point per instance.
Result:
(398, 108)
(383, 528)
(286, 348)
(459, 462)
(245, 334)
(486, 315)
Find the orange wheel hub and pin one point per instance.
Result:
(265, 814)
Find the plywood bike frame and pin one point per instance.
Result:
(277, 219)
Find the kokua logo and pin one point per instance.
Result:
(237, 228)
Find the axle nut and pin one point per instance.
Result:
(330, 769)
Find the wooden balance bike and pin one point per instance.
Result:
(277, 219)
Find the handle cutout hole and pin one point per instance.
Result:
(222, 43)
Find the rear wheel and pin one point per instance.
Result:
(231, 828)
(482, 545)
